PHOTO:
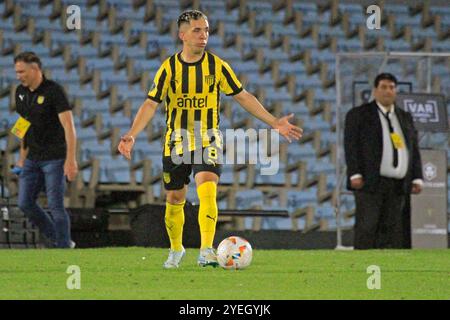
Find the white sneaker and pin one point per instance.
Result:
(174, 259)
(207, 257)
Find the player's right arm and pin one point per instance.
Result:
(143, 117)
(147, 110)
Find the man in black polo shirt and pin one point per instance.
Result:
(48, 145)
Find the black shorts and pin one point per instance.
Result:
(176, 175)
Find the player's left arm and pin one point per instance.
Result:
(249, 102)
(70, 165)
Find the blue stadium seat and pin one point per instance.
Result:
(396, 45)
(129, 13)
(230, 18)
(161, 41)
(347, 202)
(350, 45)
(139, 26)
(61, 39)
(85, 51)
(144, 149)
(81, 3)
(120, 5)
(299, 109)
(88, 13)
(63, 77)
(3, 144)
(156, 169)
(109, 39)
(253, 43)
(405, 20)
(4, 105)
(307, 8)
(8, 120)
(215, 42)
(118, 170)
(326, 211)
(277, 179)
(331, 181)
(326, 31)
(256, 80)
(226, 176)
(311, 82)
(36, 11)
(7, 24)
(92, 106)
(316, 123)
(41, 50)
(92, 25)
(277, 18)
(357, 9)
(143, 64)
(300, 152)
(325, 95)
(86, 91)
(126, 91)
(17, 37)
(228, 54)
(277, 54)
(25, 4)
(175, 4)
(113, 77)
(441, 46)
(93, 149)
(297, 199)
(287, 68)
(85, 134)
(116, 121)
(191, 195)
(277, 95)
(323, 165)
(247, 199)
(300, 44)
(99, 64)
(49, 25)
(210, 6)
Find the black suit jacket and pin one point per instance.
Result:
(363, 142)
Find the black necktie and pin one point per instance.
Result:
(391, 130)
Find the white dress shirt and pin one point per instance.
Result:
(387, 168)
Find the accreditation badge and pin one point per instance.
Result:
(397, 141)
(166, 177)
(20, 127)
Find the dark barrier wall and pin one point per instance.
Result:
(148, 229)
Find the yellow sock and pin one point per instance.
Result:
(207, 214)
(174, 219)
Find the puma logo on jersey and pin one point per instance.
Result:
(212, 218)
(21, 96)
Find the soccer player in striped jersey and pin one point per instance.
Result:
(189, 83)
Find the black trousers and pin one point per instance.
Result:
(379, 217)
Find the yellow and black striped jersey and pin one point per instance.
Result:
(191, 92)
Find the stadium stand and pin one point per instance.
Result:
(282, 50)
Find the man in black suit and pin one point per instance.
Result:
(383, 166)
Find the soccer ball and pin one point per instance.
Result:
(234, 253)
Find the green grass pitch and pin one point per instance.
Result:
(136, 273)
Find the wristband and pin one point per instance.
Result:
(132, 138)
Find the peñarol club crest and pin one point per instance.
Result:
(210, 79)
